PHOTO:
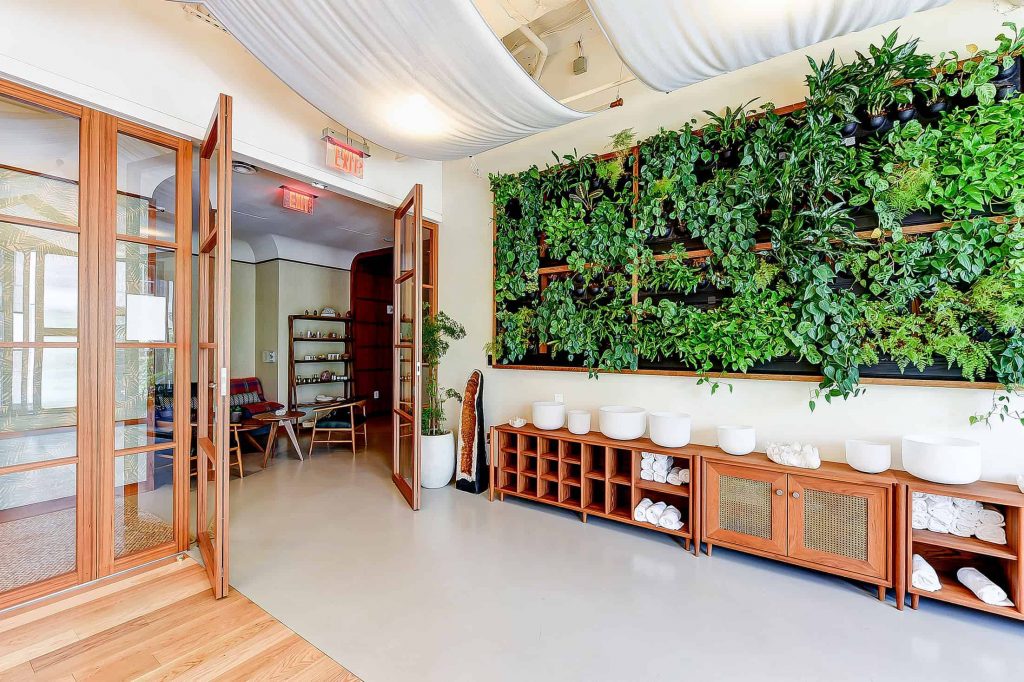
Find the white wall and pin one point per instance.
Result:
(778, 409)
(149, 61)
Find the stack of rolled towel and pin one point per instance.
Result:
(958, 516)
(925, 578)
(658, 514)
(660, 469)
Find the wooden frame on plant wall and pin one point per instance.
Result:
(782, 370)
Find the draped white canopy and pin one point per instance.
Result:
(669, 44)
(426, 79)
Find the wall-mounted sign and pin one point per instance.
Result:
(346, 159)
(294, 200)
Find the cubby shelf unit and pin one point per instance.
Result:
(341, 344)
(589, 474)
(1002, 564)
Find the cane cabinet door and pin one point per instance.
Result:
(745, 506)
(837, 524)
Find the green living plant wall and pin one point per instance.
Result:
(876, 224)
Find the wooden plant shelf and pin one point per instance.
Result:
(295, 359)
(591, 475)
(1002, 564)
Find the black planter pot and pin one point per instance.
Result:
(874, 123)
(1007, 73)
(930, 111)
(579, 286)
(904, 114)
(850, 128)
(728, 158)
(1006, 91)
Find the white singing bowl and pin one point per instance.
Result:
(548, 415)
(942, 459)
(868, 456)
(736, 440)
(622, 422)
(669, 429)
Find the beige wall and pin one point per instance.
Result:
(243, 312)
(286, 288)
(778, 409)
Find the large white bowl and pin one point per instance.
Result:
(548, 415)
(669, 429)
(622, 422)
(868, 456)
(736, 440)
(942, 459)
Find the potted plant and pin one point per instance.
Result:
(236, 414)
(437, 445)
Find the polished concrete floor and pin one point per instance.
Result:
(470, 590)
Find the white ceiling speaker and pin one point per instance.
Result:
(243, 168)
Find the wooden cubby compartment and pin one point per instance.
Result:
(648, 488)
(527, 444)
(548, 469)
(572, 452)
(947, 553)
(547, 490)
(594, 495)
(571, 495)
(620, 500)
(679, 501)
(528, 486)
(547, 448)
(594, 463)
(620, 465)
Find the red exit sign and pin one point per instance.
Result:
(294, 200)
(345, 159)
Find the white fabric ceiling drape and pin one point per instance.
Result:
(423, 78)
(669, 44)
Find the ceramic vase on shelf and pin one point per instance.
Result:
(437, 460)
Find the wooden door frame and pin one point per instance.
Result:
(713, 531)
(413, 202)
(213, 441)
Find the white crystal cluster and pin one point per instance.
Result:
(802, 455)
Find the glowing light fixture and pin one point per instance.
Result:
(295, 200)
(415, 115)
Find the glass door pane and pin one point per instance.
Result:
(407, 351)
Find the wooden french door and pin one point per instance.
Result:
(407, 346)
(95, 272)
(214, 325)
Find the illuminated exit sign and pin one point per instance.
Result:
(346, 159)
(294, 200)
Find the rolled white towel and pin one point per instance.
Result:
(991, 517)
(919, 505)
(943, 515)
(937, 526)
(937, 502)
(964, 503)
(647, 474)
(924, 576)
(969, 514)
(919, 521)
(663, 458)
(647, 456)
(671, 518)
(994, 534)
(654, 512)
(685, 476)
(675, 476)
(962, 527)
(660, 478)
(639, 512)
(662, 467)
(983, 588)
(647, 465)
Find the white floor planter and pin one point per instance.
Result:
(437, 460)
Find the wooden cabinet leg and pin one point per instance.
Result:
(709, 549)
(914, 599)
(881, 593)
(686, 544)
(501, 496)
(584, 517)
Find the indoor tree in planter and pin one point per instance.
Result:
(437, 444)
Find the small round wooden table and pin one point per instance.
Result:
(277, 421)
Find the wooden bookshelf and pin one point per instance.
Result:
(341, 344)
(1002, 564)
(591, 475)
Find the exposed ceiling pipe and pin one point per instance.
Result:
(542, 49)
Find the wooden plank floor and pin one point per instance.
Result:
(161, 624)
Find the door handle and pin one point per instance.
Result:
(213, 384)
(779, 491)
(796, 496)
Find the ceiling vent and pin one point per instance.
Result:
(243, 168)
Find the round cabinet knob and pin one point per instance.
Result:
(796, 496)
(779, 491)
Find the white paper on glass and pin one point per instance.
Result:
(146, 318)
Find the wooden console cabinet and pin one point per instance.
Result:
(592, 475)
(832, 519)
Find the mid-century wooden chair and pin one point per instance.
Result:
(339, 424)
